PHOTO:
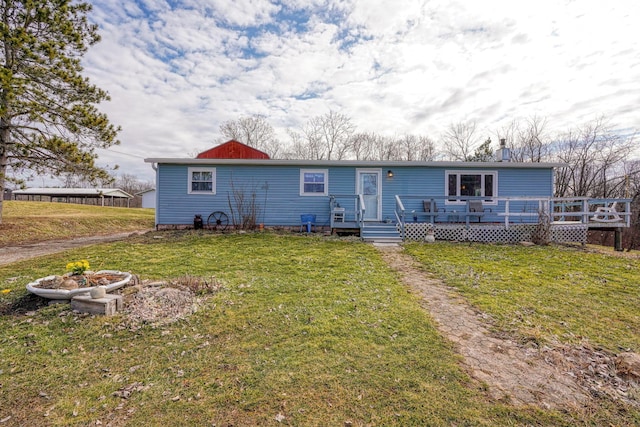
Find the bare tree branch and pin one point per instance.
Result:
(254, 131)
(459, 141)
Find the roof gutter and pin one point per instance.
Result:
(350, 163)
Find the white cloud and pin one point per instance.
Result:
(176, 71)
(236, 12)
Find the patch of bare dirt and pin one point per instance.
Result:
(600, 372)
(559, 377)
(158, 303)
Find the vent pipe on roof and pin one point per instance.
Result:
(504, 153)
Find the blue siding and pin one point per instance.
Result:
(277, 189)
(525, 182)
(411, 181)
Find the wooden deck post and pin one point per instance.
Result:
(617, 239)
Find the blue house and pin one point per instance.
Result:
(396, 199)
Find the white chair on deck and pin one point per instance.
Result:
(606, 214)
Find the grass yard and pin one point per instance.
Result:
(27, 222)
(305, 331)
(545, 294)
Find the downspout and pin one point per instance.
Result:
(264, 211)
(154, 166)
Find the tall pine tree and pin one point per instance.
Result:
(48, 116)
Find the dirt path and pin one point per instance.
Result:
(9, 254)
(511, 372)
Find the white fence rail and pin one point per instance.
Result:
(596, 213)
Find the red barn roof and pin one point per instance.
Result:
(232, 150)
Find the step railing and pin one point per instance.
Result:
(360, 210)
(400, 215)
(344, 202)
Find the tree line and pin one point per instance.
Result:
(596, 159)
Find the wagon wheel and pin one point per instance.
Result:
(218, 221)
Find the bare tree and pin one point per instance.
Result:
(459, 141)
(301, 148)
(254, 131)
(414, 148)
(384, 148)
(363, 145)
(528, 139)
(593, 152)
(509, 133)
(371, 146)
(427, 149)
(131, 184)
(533, 144)
(408, 147)
(329, 135)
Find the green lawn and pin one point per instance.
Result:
(27, 222)
(545, 293)
(306, 331)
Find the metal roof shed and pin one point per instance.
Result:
(74, 195)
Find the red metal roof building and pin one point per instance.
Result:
(232, 149)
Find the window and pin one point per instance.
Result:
(314, 182)
(202, 181)
(470, 183)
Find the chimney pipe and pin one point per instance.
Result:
(504, 153)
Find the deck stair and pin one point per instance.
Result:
(380, 233)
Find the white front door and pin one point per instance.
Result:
(369, 185)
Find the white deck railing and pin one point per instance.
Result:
(594, 212)
(602, 212)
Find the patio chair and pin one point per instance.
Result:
(476, 209)
(431, 215)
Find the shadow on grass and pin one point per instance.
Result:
(23, 305)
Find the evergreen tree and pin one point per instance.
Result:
(484, 153)
(48, 116)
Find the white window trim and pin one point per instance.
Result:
(470, 172)
(191, 170)
(326, 182)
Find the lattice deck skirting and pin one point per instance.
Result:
(559, 233)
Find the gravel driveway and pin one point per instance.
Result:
(9, 254)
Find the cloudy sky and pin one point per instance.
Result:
(177, 69)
